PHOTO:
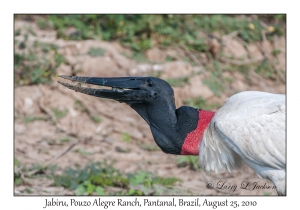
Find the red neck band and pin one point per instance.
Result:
(192, 140)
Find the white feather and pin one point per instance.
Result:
(249, 127)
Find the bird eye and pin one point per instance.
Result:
(150, 83)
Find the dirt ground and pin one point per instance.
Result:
(38, 142)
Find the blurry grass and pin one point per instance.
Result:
(141, 32)
(83, 152)
(65, 139)
(178, 82)
(265, 70)
(122, 149)
(149, 147)
(30, 31)
(29, 119)
(215, 85)
(28, 190)
(96, 119)
(18, 32)
(79, 106)
(126, 137)
(170, 58)
(37, 63)
(139, 57)
(96, 178)
(17, 162)
(200, 103)
(275, 52)
(59, 113)
(191, 161)
(96, 52)
(17, 175)
(216, 80)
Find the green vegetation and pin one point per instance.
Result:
(59, 113)
(216, 81)
(200, 103)
(83, 152)
(79, 106)
(28, 190)
(18, 32)
(141, 32)
(17, 162)
(191, 161)
(276, 52)
(35, 64)
(29, 119)
(38, 63)
(149, 147)
(178, 82)
(17, 179)
(123, 149)
(64, 139)
(96, 52)
(126, 137)
(139, 57)
(215, 84)
(265, 70)
(96, 119)
(17, 175)
(96, 178)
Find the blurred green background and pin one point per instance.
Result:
(140, 33)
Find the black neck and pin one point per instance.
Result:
(169, 126)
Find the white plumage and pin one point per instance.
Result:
(249, 127)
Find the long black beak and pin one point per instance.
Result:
(124, 89)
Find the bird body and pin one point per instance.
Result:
(250, 127)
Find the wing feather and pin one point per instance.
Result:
(250, 126)
(253, 123)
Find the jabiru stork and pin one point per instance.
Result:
(249, 127)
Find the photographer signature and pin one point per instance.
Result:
(245, 185)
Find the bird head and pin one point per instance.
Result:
(129, 90)
(153, 99)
